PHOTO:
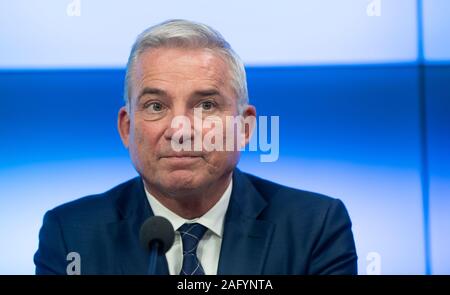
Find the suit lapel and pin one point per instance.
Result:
(134, 209)
(246, 240)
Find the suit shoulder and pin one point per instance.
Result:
(92, 206)
(280, 195)
(299, 208)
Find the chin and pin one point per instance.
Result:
(180, 180)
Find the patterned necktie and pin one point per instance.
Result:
(191, 234)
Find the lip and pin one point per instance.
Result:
(181, 157)
(181, 160)
(181, 154)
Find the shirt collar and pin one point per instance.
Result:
(213, 219)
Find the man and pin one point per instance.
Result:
(240, 224)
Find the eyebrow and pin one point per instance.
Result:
(151, 90)
(206, 92)
(160, 92)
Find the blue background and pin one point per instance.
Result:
(362, 120)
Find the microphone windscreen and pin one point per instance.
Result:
(157, 229)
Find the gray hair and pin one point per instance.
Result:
(187, 34)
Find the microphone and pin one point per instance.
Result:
(156, 236)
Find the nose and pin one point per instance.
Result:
(180, 126)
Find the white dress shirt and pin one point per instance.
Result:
(208, 250)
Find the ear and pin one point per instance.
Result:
(249, 116)
(123, 125)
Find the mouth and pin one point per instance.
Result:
(181, 159)
(182, 155)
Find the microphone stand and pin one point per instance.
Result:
(154, 247)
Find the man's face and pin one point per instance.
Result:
(170, 82)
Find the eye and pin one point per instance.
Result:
(154, 107)
(207, 105)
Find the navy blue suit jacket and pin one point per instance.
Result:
(269, 229)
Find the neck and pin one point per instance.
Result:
(192, 204)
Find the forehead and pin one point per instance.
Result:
(178, 65)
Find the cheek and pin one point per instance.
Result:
(139, 137)
(143, 139)
(221, 160)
